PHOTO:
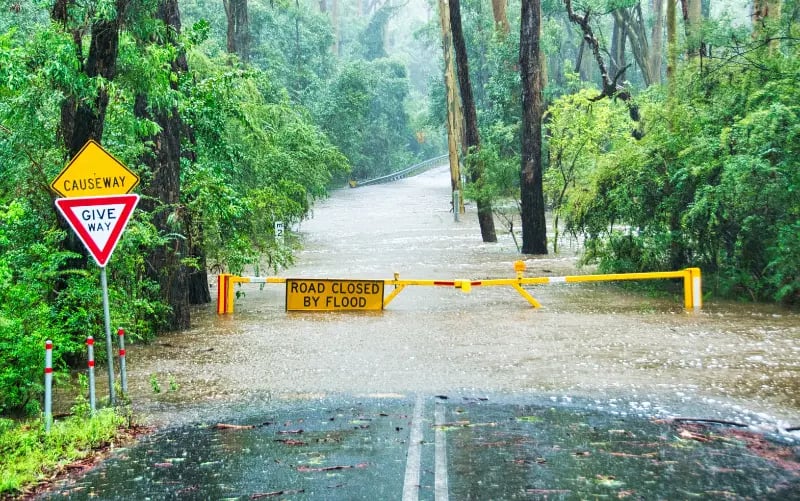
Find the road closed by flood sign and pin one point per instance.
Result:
(307, 294)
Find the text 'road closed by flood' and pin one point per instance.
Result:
(330, 295)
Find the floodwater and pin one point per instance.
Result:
(609, 363)
(596, 341)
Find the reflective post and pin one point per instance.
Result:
(92, 399)
(456, 204)
(123, 376)
(48, 385)
(697, 289)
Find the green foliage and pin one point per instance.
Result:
(580, 134)
(363, 112)
(29, 455)
(714, 182)
(373, 36)
(259, 159)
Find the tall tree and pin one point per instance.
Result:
(238, 34)
(162, 199)
(534, 226)
(454, 114)
(500, 17)
(646, 50)
(619, 36)
(764, 12)
(471, 137)
(693, 21)
(672, 44)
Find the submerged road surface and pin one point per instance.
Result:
(603, 392)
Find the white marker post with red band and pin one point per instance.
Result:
(48, 385)
(92, 399)
(123, 376)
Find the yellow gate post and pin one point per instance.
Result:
(226, 295)
(222, 293)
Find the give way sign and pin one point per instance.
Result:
(98, 221)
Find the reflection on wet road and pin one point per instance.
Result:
(560, 402)
(440, 448)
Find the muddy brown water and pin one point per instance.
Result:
(621, 348)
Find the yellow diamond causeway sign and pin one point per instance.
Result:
(94, 172)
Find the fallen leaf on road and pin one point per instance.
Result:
(273, 494)
(289, 441)
(225, 426)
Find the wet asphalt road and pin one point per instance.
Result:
(440, 448)
(574, 401)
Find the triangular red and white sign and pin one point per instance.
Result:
(98, 221)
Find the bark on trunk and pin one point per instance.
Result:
(618, 37)
(454, 115)
(238, 33)
(534, 227)
(656, 42)
(162, 201)
(693, 21)
(500, 16)
(672, 44)
(763, 12)
(472, 137)
(197, 278)
(162, 193)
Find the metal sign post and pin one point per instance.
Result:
(109, 350)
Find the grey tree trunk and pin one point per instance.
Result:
(534, 227)
(238, 33)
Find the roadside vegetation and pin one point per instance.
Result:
(29, 456)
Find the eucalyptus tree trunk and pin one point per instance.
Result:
(472, 137)
(455, 130)
(656, 42)
(693, 21)
(672, 44)
(763, 12)
(647, 51)
(238, 33)
(619, 34)
(162, 198)
(500, 16)
(534, 227)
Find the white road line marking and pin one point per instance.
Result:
(411, 483)
(441, 490)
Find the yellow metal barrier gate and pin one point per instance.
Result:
(328, 294)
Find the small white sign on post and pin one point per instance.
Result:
(279, 232)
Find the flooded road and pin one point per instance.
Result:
(621, 359)
(595, 341)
